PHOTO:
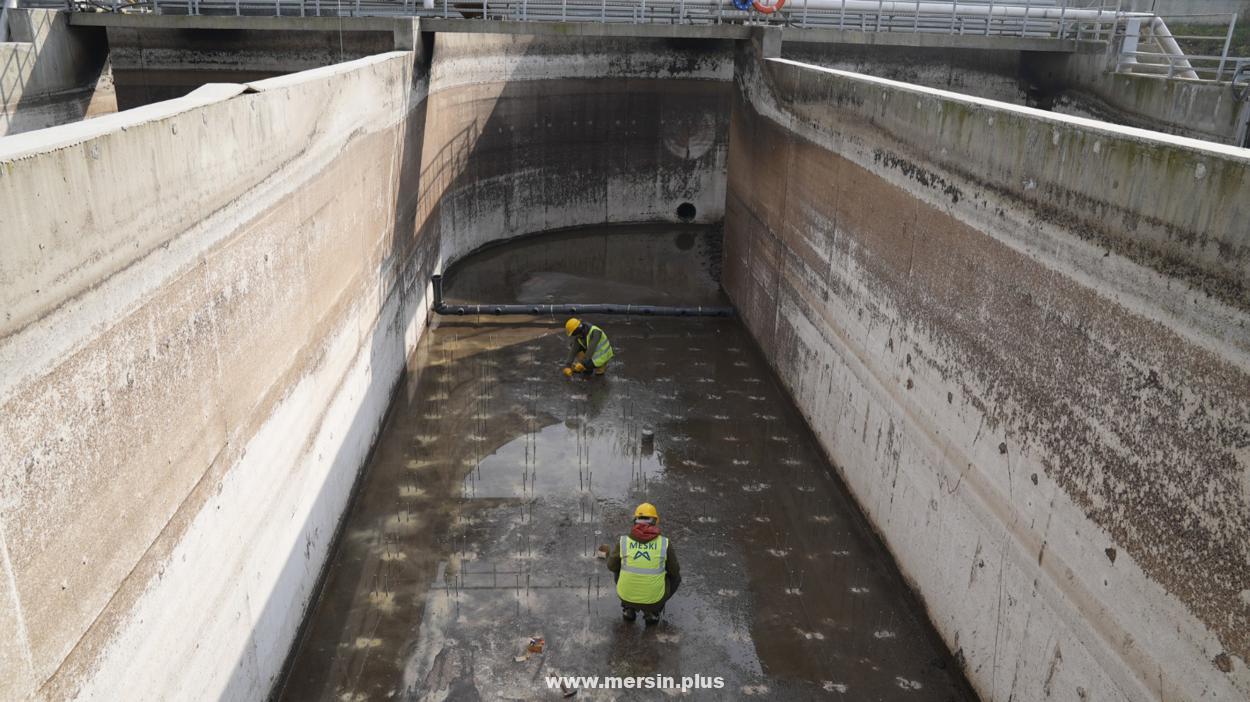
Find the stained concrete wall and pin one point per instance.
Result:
(529, 134)
(1082, 83)
(208, 301)
(1086, 84)
(170, 58)
(997, 74)
(1023, 340)
(51, 73)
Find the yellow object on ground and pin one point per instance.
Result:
(571, 326)
(568, 372)
(579, 368)
(647, 509)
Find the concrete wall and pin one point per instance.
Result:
(1085, 84)
(207, 302)
(989, 73)
(529, 134)
(1023, 340)
(51, 73)
(162, 60)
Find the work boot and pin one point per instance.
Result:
(629, 614)
(651, 619)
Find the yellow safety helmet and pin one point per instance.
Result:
(572, 325)
(647, 509)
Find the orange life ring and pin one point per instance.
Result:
(767, 9)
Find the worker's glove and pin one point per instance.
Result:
(579, 368)
(568, 372)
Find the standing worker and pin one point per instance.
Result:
(645, 568)
(589, 350)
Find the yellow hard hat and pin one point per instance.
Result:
(647, 509)
(572, 325)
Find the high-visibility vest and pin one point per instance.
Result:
(599, 350)
(642, 570)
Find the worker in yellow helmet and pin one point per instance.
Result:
(589, 349)
(645, 567)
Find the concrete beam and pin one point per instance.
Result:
(588, 29)
(927, 40)
(404, 27)
(322, 24)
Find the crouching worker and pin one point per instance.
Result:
(645, 568)
(589, 349)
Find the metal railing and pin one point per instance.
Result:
(1142, 48)
(962, 17)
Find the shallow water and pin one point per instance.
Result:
(495, 478)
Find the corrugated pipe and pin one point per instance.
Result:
(441, 307)
(947, 9)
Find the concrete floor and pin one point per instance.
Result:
(477, 522)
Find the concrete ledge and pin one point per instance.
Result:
(1056, 118)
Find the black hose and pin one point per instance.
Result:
(441, 307)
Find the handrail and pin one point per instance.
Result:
(1041, 19)
(1153, 49)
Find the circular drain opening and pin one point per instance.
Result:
(686, 212)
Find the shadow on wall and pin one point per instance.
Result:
(51, 73)
(152, 64)
(549, 142)
(404, 268)
(539, 140)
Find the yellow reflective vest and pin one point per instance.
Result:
(598, 349)
(642, 570)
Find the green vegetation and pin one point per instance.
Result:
(1215, 44)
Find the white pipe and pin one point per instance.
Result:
(1164, 36)
(947, 9)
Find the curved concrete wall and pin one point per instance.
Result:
(1023, 339)
(528, 134)
(209, 300)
